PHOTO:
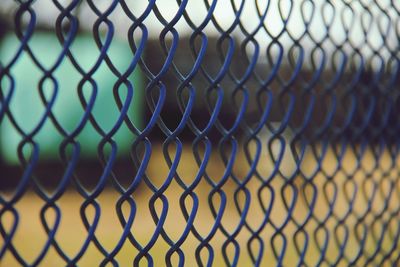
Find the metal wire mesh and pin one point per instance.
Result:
(217, 132)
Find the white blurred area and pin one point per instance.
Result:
(371, 24)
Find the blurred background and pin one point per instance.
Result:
(316, 148)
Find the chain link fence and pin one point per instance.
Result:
(199, 133)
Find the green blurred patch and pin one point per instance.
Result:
(27, 108)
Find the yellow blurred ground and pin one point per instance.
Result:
(30, 236)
